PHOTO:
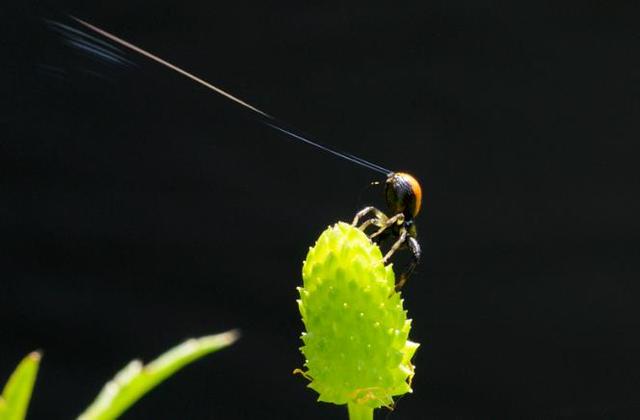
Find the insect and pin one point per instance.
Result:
(404, 199)
(402, 191)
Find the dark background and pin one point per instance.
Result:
(139, 210)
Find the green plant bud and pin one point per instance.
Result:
(356, 341)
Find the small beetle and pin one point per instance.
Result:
(404, 199)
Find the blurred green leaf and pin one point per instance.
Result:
(17, 392)
(135, 380)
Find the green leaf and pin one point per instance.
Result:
(135, 380)
(17, 392)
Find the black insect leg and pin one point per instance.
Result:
(416, 252)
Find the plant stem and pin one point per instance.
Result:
(360, 412)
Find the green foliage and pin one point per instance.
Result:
(356, 341)
(17, 392)
(128, 386)
(135, 380)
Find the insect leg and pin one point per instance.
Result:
(398, 218)
(362, 213)
(414, 247)
(397, 244)
(373, 221)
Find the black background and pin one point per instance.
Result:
(138, 209)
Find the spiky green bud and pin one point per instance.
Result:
(356, 341)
